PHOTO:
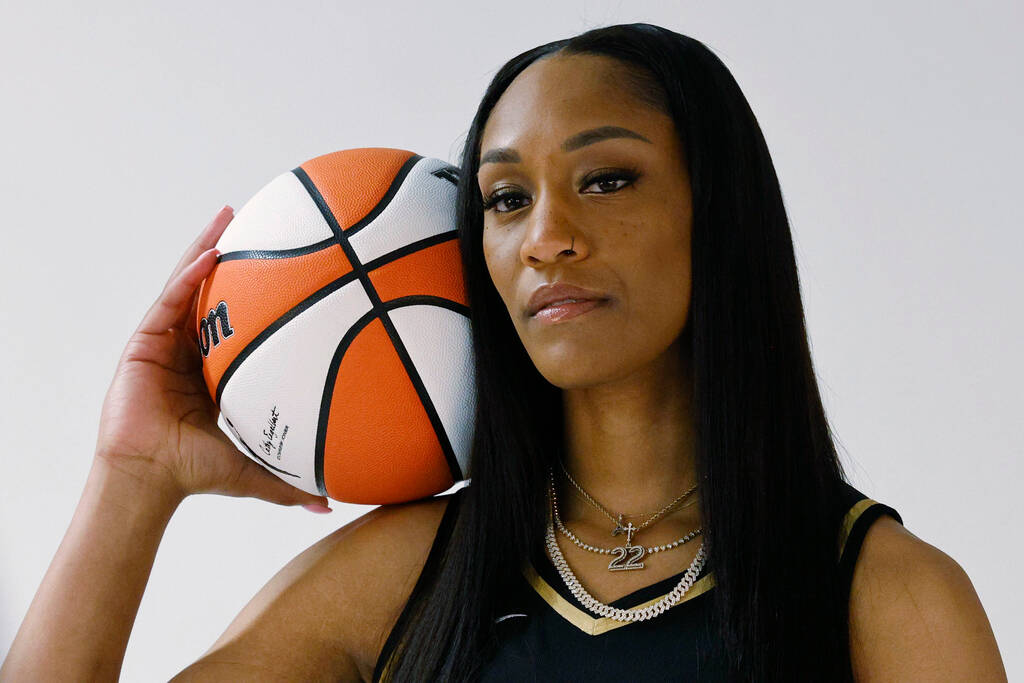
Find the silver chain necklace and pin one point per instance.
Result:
(600, 608)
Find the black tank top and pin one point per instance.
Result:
(546, 634)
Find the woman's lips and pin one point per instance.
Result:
(558, 312)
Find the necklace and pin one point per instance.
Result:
(619, 529)
(605, 551)
(628, 556)
(600, 608)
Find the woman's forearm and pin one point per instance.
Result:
(78, 624)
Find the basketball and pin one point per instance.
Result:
(334, 328)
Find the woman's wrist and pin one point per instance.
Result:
(136, 479)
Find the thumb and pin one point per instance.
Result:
(257, 482)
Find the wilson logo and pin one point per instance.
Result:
(209, 336)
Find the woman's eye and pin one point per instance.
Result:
(505, 200)
(500, 196)
(607, 179)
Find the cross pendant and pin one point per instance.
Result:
(629, 530)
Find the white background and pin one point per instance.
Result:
(894, 126)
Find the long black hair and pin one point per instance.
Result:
(765, 456)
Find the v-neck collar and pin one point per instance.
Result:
(548, 584)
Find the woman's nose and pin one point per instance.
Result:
(551, 235)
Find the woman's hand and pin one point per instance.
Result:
(158, 421)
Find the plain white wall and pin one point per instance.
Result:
(894, 126)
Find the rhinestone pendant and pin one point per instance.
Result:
(627, 557)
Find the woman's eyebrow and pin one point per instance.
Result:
(508, 155)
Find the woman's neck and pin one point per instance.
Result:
(630, 443)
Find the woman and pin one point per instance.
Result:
(649, 432)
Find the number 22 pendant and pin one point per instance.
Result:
(628, 556)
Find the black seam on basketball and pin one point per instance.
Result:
(410, 248)
(419, 299)
(421, 389)
(253, 453)
(376, 306)
(377, 310)
(325, 399)
(277, 253)
(332, 220)
(449, 173)
(277, 324)
(396, 183)
(339, 353)
(323, 292)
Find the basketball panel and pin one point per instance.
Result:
(273, 398)
(440, 344)
(380, 445)
(242, 298)
(280, 216)
(422, 207)
(353, 182)
(433, 271)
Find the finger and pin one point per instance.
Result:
(257, 482)
(206, 239)
(191, 329)
(172, 305)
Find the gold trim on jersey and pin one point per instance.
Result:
(595, 626)
(851, 517)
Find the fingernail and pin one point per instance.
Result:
(319, 509)
(228, 208)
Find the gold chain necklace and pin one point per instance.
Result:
(629, 529)
(626, 557)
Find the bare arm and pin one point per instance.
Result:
(326, 614)
(78, 624)
(914, 614)
(158, 443)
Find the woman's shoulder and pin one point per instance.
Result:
(382, 555)
(853, 513)
(335, 603)
(387, 554)
(913, 610)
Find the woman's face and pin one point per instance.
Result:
(575, 159)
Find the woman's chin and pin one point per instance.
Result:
(567, 372)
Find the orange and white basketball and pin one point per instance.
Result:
(334, 328)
